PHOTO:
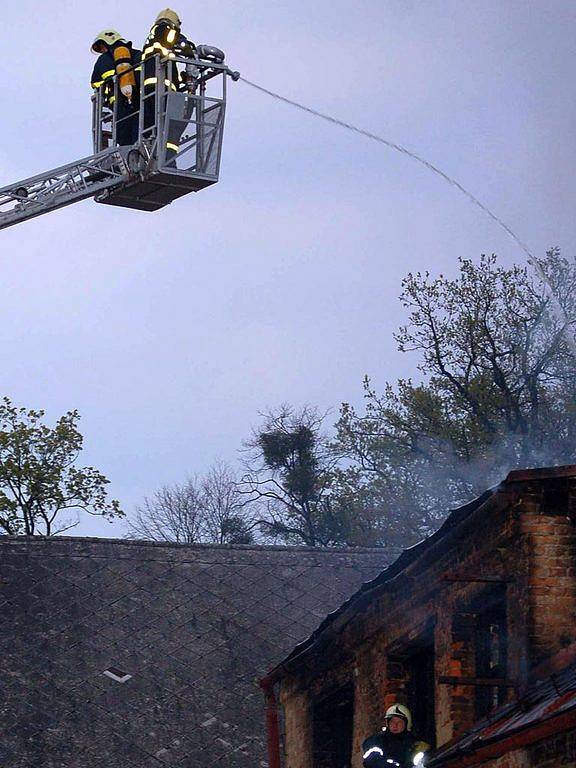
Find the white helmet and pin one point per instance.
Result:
(399, 710)
(108, 37)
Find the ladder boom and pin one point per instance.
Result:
(62, 186)
(176, 143)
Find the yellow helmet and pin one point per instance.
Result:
(108, 37)
(169, 15)
(399, 710)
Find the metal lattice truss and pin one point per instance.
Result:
(174, 145)
(61, 186)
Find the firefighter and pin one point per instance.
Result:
(166, 40)
(117, 57)
(394, 746)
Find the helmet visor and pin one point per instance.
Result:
(98, 47)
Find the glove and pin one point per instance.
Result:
(126, 90)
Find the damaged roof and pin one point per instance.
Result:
(122, 654)
(547, 704)
(502, 494)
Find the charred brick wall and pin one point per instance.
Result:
(298, 725)
(558, 752)
(555, 752)
(548, 524)
(521, 543)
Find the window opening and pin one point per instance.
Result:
(421, 692)
(490, 649)
(332, 728)
(414, 661)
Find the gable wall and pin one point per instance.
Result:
(527, 540)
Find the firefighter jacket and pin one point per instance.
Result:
(168, 42)
(119, 60)
(391, 750)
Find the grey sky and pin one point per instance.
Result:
(170, 331)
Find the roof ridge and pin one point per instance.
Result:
(36, 540)
(541, 473)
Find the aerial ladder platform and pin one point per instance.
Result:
(178, 148)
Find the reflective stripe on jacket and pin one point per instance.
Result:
(119, 58)
(166, 41)
(388, 750)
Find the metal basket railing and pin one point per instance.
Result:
(177, 122)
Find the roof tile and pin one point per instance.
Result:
(194, 626)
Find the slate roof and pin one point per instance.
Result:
(546, 700)
(195, 627)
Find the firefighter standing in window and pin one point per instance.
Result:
(394, 746)
(166, 39)
(117, 57)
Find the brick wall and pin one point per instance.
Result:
(523, 542)
(370, 682)
(556, 752)
(516, 759)
(298, 726)
(548, 525)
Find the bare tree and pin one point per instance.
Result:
(206, 508)
(227, 516)
(172, 513)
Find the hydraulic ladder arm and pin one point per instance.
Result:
(62, 186)
(142, 175)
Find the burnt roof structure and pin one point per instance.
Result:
(547, 708)
(452, 527)
(122, 654)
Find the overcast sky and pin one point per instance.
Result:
(170, 331)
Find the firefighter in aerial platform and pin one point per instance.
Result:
(394, 746)
(166, 38)
(116, 56)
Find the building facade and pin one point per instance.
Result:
(474, 629)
